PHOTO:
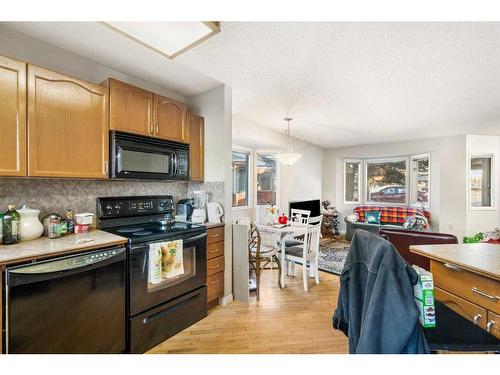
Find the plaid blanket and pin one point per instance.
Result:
(392, 214)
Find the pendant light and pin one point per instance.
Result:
(289, 157)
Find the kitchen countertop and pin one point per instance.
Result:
(482, 258)
(213, 225)
(44, 247)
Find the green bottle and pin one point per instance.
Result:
(1, 228)
(11, 225)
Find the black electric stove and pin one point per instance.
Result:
(157, 311)
(155, 231)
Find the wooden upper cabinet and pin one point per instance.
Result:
(169, 119)
(67, 126)
(196, 140)
(130, 108)
(12, 117)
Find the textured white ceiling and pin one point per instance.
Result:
(99, 43)
(343, 83)
(356, 83)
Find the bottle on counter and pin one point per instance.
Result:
(1, 228)
(52, 225)
(70, 221)
(63, 227)
(11, 225)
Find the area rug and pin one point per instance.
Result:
(332, 254)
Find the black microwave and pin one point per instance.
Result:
(137, 157)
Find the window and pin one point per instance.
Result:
(267, 178)
(386, 180)
(351, 181)
(481, 181)
(420, 180)
(240, 179)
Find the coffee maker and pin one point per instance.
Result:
(184, 210)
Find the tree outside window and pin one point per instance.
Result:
(266, 179)
(386, 181)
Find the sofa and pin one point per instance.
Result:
(402, 240)
(391, 217)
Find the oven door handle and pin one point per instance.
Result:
(58, 268)
(198, 237)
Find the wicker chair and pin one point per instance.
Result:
(260, 256)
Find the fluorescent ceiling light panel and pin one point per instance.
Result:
(169, 38)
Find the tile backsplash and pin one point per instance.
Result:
(215, 190)
(57, 195)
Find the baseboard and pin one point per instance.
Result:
(226, 300)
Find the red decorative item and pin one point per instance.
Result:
(282, 219)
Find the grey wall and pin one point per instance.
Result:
(216, 107)
(448, 177)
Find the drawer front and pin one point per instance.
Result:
(468, 310)
(215, 265)
(215, 235)
(215, 286)
(215, 250)
(478, 289)
(493, 324)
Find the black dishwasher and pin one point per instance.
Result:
(72, 304)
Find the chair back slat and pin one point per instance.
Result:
(300, 216)
(313, 235)
(253, 240)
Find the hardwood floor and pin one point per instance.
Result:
(285, 320)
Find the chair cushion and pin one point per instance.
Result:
(289, 243)
(296, 251)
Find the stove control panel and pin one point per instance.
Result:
(134, 206)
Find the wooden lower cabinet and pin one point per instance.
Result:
(469, 294)
(215, 264)
(493, 324)
(68, 126)
(468, 310)
(12, 117)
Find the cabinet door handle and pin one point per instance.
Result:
(452, 267)
(477, 318)
(151, 128)
(481, 293)
(215, 267)
(213, 282)
(156, 128)
(489, 325)
(106, 167)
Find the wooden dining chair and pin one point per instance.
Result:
(307, 253)
(260, 256)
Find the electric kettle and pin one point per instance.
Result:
(215, 212)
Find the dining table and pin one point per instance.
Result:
(275, 235)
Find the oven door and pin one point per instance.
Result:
(191, 274)
(146, 158)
